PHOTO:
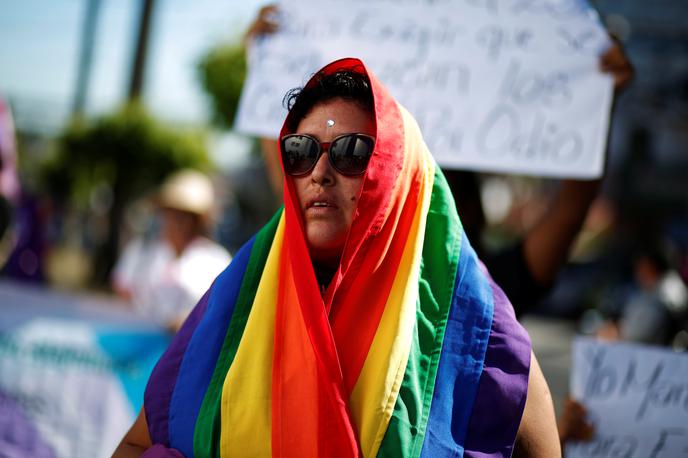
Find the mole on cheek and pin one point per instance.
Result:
(353, 198)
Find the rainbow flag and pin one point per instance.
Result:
(412, 351)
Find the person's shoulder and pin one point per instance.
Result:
(138, 249)
(134, 245)
(206, 247)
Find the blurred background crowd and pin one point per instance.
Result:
(102, 102)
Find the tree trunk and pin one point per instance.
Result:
(108, 252)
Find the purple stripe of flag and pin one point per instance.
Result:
(503, 385)
(161, 384)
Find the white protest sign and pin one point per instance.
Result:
(636, 397)
(496, 85)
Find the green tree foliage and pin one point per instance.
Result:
(222, 72)
(128, 151)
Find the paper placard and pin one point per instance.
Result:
(636, 397)
(496, 85)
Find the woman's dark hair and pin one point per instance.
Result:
(345, 83)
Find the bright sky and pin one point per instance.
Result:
(40, 45)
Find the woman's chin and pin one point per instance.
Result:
(325, 251)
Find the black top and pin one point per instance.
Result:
(510, 271)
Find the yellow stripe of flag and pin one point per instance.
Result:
(246, 394)
(376, 390)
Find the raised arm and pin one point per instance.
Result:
(263, 24)
(547, 244)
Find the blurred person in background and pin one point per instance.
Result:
(650, 313)
(165, 276)
(655, 308)
(9, 181)
(22, 215)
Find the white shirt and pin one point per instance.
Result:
(165, 287)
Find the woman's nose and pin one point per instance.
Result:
(323, 173)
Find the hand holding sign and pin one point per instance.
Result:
(573, 424)
(264, 24)
(637, 398)
(615, 62)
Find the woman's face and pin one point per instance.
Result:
(327, 198)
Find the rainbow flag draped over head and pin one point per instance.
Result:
(412, 351)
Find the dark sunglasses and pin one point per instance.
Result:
(348, 154)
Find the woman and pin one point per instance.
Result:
(358, 321)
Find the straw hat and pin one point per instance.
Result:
(187, 190)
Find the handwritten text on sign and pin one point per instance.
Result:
(637, 398)
(500, 85)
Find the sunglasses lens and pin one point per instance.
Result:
(350, 153)
(299, 154)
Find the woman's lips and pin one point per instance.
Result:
(320, 206)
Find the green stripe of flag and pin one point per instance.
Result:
(207, 432)
(441, 250)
